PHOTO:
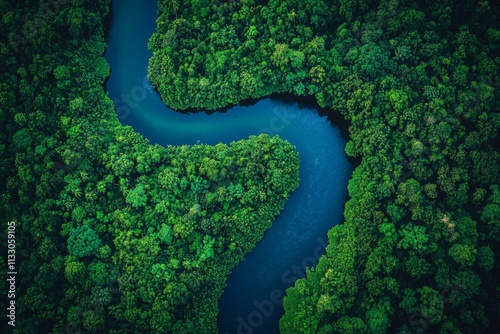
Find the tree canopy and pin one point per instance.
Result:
(416, 81)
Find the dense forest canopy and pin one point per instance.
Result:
(116, 235)
(418, 83)
(113, 234)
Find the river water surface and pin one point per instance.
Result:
(251, 301)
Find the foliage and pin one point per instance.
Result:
(83, 241)
(415, 80)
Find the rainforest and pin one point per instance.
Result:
(353, 144)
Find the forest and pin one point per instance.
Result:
(116, 235)
(417, 81)
(113, 234)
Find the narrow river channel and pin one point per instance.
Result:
(251, 301)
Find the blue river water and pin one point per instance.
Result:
(251, 302)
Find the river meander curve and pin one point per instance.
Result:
(250, 302)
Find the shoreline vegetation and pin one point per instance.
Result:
(113, 234)
(417, 82)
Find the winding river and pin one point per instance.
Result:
(251, 302)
